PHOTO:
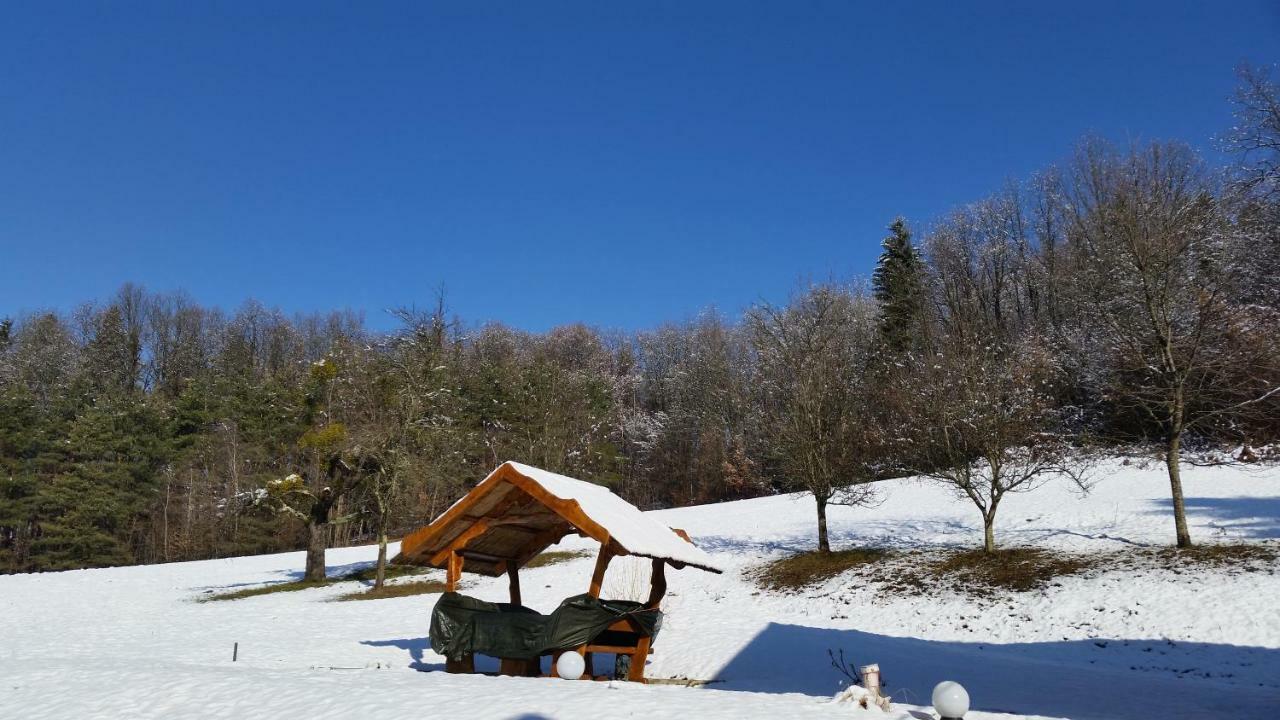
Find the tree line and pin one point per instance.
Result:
(1129, 295)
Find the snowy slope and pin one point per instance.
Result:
(132, 643)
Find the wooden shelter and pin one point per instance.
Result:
(519, 511)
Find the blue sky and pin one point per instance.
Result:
(617, 164)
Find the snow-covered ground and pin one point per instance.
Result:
(132, 643)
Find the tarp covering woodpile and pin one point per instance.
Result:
(462, 625)
(519, 510)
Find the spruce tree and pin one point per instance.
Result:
(898, 284)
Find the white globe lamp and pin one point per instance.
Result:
(570, 666)
(951, 700)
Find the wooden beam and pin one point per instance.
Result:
(461, 541)
(483, 557)
(523, 527)
(454, 572)
(639, 658)
(513, 573)
(657, 584)
(413, 544)
(602, 564)
(570, 510)
(542, 541)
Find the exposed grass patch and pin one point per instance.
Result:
(971, 572)
(1217, 556)
(555, 557)
(1012, 570)
(1016, 569)
(796, 572)
(420, 587)
(366, 575)
(369, 574)
(267, 590)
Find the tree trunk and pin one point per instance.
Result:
(315, 551)
(1173, 462)
(824, 544)
(989, 532)
(381, 576)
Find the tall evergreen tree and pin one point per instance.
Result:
(898, 284)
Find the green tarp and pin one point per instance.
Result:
(461, 625)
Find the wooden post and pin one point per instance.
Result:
(602, 564)
(453, 572)
(513, 666)
(636, 672)
(513, 573)
(657, 584)
(466, 665)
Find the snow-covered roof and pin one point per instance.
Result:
(627, 525)
(520, 510)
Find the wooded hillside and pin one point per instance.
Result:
(1128, 295)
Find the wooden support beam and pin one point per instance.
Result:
(539, 542)
(453, 572)
(523, 527)
(638, 659)
(602, 564)
(657, 584)
(513, 573)
(461, 541)
(484, 557)
(466, 665)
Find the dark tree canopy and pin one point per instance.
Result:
(898, 286)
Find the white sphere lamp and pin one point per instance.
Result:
(951, 700)
(570, 666)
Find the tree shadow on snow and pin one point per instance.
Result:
(332, 572)
(1084, 679)
(883, 534)
(1249, 517)
(417, 649)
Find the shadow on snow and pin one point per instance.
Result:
(1084, 679)
(417, 649)
(1243, 516)
(332, 572)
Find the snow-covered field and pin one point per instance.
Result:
(132, 643)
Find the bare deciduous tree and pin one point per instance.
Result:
(983, 421)
(1155, 270)
(815, 380)
(1256, 135)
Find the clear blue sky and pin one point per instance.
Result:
(618, 164)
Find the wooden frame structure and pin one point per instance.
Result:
(518, 512)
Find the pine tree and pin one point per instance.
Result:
(898, 284)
